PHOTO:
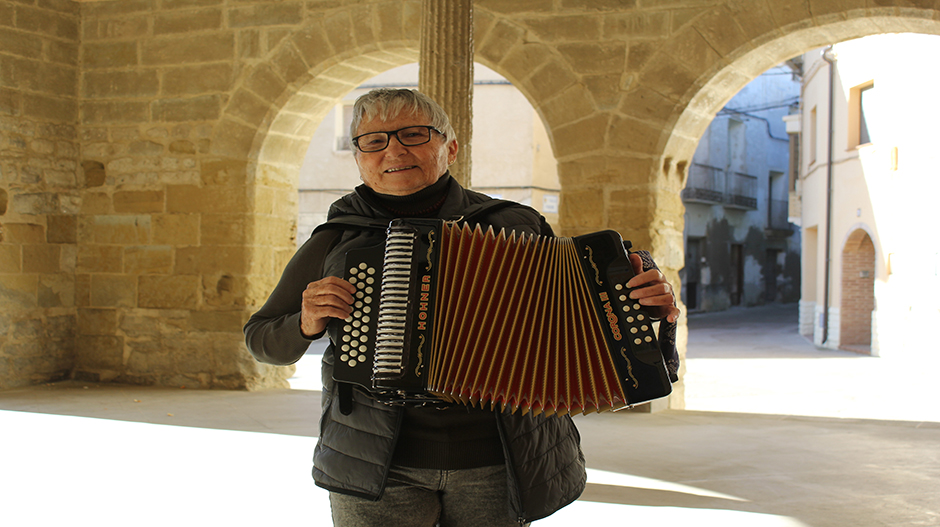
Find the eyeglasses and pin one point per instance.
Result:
(378, 141)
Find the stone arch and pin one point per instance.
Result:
(857, 292)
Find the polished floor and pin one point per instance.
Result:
(778, 433)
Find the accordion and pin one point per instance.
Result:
(448, 313)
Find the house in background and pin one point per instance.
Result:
(870, 242)
(741, 248)
(511, 155)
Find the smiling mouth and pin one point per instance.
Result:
(399, 169)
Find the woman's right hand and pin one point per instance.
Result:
(327, 298)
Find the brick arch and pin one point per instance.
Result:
(857, 292)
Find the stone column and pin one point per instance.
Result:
(446, 70)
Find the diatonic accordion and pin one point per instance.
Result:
(448, 313)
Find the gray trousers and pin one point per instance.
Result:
(415, 497)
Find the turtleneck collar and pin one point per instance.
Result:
(423, 203)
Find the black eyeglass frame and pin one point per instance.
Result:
(388, 137)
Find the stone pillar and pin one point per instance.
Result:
(446, 70)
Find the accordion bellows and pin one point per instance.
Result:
(542, 324)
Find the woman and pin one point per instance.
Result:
(417, 466)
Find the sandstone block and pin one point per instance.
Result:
(572, 104)
(225, 291)
(113, 54)
(169, 291)
(151, 259)
(566, 28)
(339, 31)
(125, 27)
(224, 229)
(138, 201)
(273, 14)
(93, 321)
(117, 84)
(637, 25)
(202, 108)
(173, 51)
(500, 40)
(197, 79)
(49, 107)
(100, 259)
(114, 112)
(42, 258)
(113, 290)
(175, 229)
(210, 199)
(249, 107)
(582, 136)
(212, 260)
(170, 22)
(23, 233)
(595, 58)
(584, 208)
(95, 203)
(19, 290)
(551, 79)
(120, 230)
(629, 135)
(99, 352)
(10, 258)
(217, 321)
(22, 44)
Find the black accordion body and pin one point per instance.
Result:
(448, 313)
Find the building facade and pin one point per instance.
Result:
(740, 247)
(868, 186)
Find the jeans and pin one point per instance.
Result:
(414, 497)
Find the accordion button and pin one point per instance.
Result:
(618, 287)
(363, 266)
(347, 328)
(360, 295)
(348, 319)
(369, 290)
(346, 338)
(648, 339)
(370, 280)
(626, 309)
(361, 358)
(352, 363)
(352, 270)
(366, 319)
(344, 357)
(640, 317)
(345, 347)
(636, 306)
(364, 338)
(637, 341)
(644, 327)
(633, 330)
(371, 270)
(353, 353)
(629, 319)
(358, 305)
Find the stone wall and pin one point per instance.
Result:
(151, 147)
(40, 185)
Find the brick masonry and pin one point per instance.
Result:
(150, 148)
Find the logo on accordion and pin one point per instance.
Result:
(611, 317)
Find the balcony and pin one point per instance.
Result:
(716, 186)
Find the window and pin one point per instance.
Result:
(861, 112)
(865, 95)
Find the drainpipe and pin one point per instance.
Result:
(829, 57)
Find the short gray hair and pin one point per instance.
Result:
(386, 103)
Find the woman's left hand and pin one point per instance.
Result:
(653, 291)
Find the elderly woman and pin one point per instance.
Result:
(417, 466)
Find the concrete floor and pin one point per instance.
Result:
(781, 434)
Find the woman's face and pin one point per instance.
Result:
(402, 170)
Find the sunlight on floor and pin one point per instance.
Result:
(84, 471)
